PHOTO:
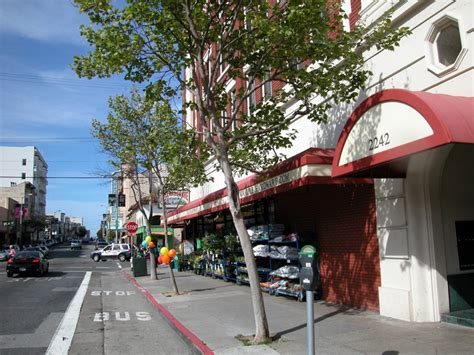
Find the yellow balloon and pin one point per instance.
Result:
(164, 251)
(148, 239)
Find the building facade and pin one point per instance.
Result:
(384, 188)
(25, 164)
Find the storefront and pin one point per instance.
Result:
(337, 215)
(419, 148)
(157, 234)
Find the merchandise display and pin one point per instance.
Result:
(276, 254)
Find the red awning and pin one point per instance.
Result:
(312, 166)
(388, 127)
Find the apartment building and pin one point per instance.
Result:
(384, 188)
(25, 164)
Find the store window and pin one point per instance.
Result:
(444, 45)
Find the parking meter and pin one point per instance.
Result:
(309, 280)
(309, 271)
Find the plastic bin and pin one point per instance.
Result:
(139, 267)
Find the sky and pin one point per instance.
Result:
(44, 104)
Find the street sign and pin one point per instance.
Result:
(131, 227)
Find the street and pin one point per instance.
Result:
(114, 316)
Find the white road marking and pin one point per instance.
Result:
(119, 266)
(106, 316)
(103, 267)
(62, 338)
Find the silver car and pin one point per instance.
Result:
(76, 244)
(4, 255)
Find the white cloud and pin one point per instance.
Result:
(42, 20)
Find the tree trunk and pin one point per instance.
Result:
(152, 255)
(261, 323)
(165, 227)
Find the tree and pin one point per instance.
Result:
(81, 231)
(153, 151)
(255, 42)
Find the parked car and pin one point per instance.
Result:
(112, 251)
(28, 262)
(99, 244)
(4, 254)
(76, 244)
(44, 249)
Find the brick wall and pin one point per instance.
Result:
(340, 221)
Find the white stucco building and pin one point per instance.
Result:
(385, 189)
(22, 164)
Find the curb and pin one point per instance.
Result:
(176, 324)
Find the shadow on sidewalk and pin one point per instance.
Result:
(342, 309)
(209, 288)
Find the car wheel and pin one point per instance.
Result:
(122, 257)
(96, 257)
(9, 274)
(47, 270)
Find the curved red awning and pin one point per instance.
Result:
(385, 129)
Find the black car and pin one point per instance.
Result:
(38, 249)
(28, 262)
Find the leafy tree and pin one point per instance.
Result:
(81, 231)
(153, 151)
(258, 42)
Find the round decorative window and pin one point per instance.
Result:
(444, 45)
(448, 44)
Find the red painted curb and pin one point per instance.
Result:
(173, 321)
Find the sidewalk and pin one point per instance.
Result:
(215, 312)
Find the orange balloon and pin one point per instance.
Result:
(151, 245)
(165, 259)
(172, 253)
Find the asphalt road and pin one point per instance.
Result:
(114, 317)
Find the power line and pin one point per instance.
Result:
(73, 177)
(59, 177)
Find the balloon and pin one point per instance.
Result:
(160, 260)
(151, 245)
(144, 244)
(148, 239)
(172, 253)
(164, 251)
(165, 259)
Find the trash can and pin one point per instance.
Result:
(139, 267)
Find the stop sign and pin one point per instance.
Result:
(131, 227)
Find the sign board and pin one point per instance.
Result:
(175, 199)
(131, 227)
(381, 128)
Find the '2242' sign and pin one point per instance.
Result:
(378, 142)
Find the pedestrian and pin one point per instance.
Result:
(12, 252)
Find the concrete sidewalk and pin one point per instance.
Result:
(216, 311)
